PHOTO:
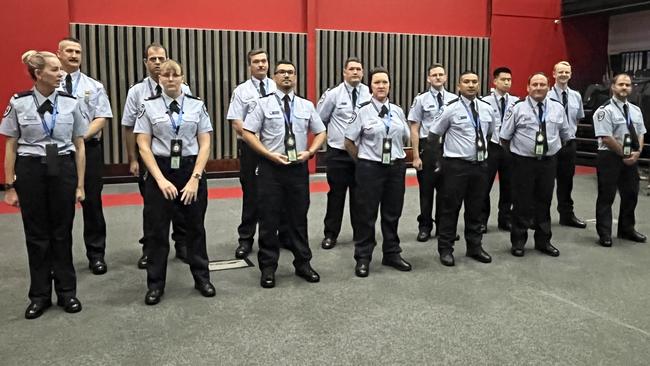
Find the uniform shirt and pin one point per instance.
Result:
(609, 120)
(337, 112)
(91, 96)
(267, 119)
(368, 130)
(136, 96)
(455, 123)
(521, 123)
(495, 101)
(575, 110)
(22, 121)
(155, 120)
(244, 95)
(425, 108)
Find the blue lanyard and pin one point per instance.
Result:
(436, 98)
(75, 84)
(505, 104)
(284, 113)
(386, 118)
(175, 127)
(628, 119)
(55, 112)
(475, 123)
(543, 119)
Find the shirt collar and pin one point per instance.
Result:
(349, 87)
(534, 102)
(436, 91)
(560, 89)
(499, 95)
(168, 100)
(618, 102)
(40, 98)
(257, 82)
(281, 95)
(152, 84)
(379, 104)
(467, 101)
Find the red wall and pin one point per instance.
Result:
(34, 24)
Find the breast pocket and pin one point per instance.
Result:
(31, 128)
(63, 128)
(160, 125)
(430, 111)
(273, 122)
(300, 121)
(189, 128)
(374, 127)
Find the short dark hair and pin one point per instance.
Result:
(537, 73)
(145, 54)
(433, 66)
(500, 70)
(70, 39)
(466, 72)
(616, 76)
(351, 59)
(378, 70)
(254, 52)
(284, 62)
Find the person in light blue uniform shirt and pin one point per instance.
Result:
(499, 160)
(154, 55)
(566, 157)
(337, 108)
(173, 134)
(44, 175)
(277, 128)
(534, 130)
(466, 123)
(619, 126)
(376, 140)
(423, 110)
(94, 103)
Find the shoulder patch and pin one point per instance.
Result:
(508, 113)
(64, 94)
(353, 117)
(192, 96)
(453, 101)
(252, 105)
(155, 97)
(23, 94)
(205, 110)
(600, 115)
(7, 111)
(322, 97)
(142, 109)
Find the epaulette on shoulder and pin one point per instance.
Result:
(299, 96)
(65, 94)
(364, 104)
(23, 94)
(605, 104)
(452, 101)
(268, 95)
(556, 101)
(155, 97)
(192, 96)
(139, 82)
(481, 99)
(517, 102)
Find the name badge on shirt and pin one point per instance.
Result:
(627, 146)
(176, 150)
(290, 147)
(52, 159)
(386, 149)
(540, 138)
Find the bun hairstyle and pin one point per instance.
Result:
(35, 60)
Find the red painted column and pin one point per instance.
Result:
(310, 17)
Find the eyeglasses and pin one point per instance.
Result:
(285, 72)
(154, 59)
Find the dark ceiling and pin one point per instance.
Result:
(571, 8)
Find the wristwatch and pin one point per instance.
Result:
(197, 176)
(9, 186)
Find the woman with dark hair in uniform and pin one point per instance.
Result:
(44, 175)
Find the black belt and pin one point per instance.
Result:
(184, 159)
(393, 162)
(93, 142)
(545, 157)
(465, 161)
(42, 159)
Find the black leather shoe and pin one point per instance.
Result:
(206, 289)
(572, 221)
(36, 309)
(153, 296)
(362, 269)
(181, 252)
(483, 229)
(423, 236)
(447, 259)
(605, 241)
(517, 252)
(98, 266)
(267, 280)
(308, 274)
(481, 256)
(505, 226)
(142, 262)
(633, 236)
(242, 251)
(328, 243)
(397, 262)
(70, 305)
(548, 249)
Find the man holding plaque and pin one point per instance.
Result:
(620, 129)
(466, 123)
(283, 121)
(534, 130)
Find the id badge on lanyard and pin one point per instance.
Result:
(627, 146)
(540, 138)
(481, 151)
(386, 150)
(290, 146)
(176, 150)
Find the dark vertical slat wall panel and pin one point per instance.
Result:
(214, 62)
(406, 57)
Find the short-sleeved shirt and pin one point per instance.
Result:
(91, 95)
(337, 112)
(609, 120)
(22, 121)
(455, 122)
(521, 124)
(156, 120)
(495, 101)
(575, 110)
(136, 96)
(368, 130)
(243, 96)
(425, 108)
(267, 118)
